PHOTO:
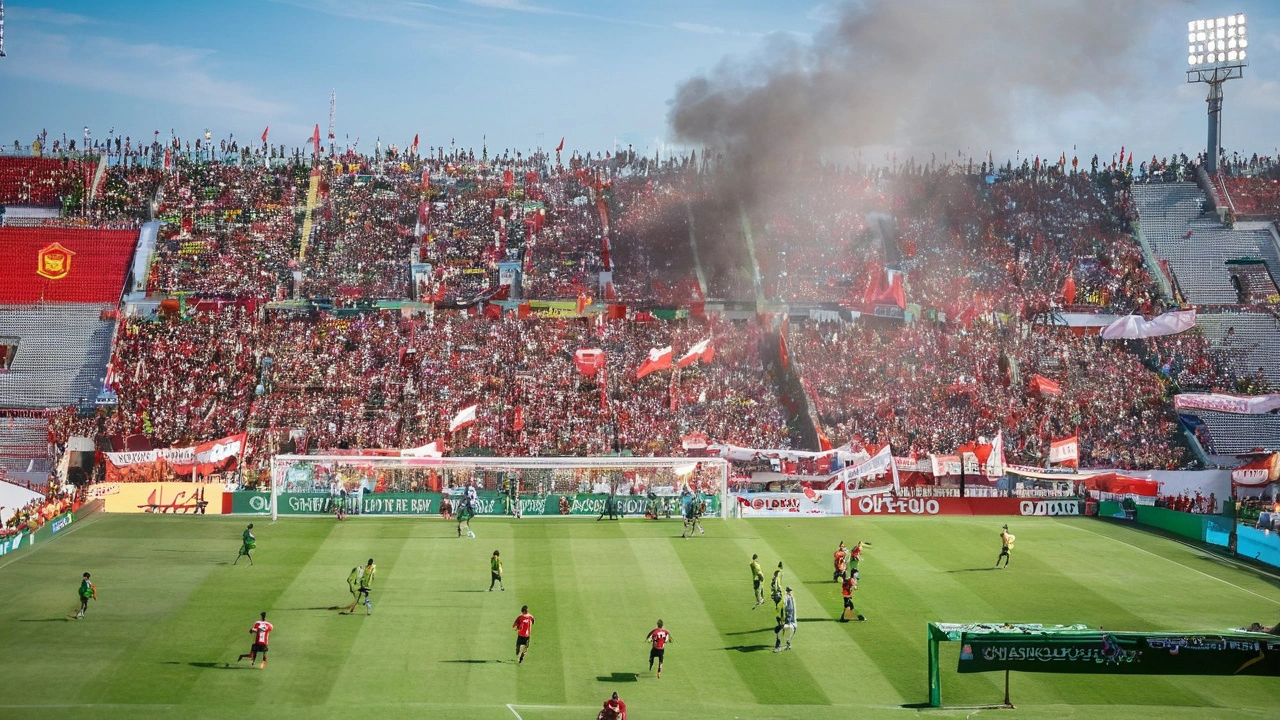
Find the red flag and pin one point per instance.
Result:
(264, 133)
(702, 351)
(315, 139)
(1044, 386)
(1069, 291)
(583, 302)
(415, 143)
(659, 359)
(589, 360)
(1065, 452)
(560, 146)
(517, 422)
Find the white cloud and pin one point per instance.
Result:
(162, 74)
(699, 28)
(44, 16)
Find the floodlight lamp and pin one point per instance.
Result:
(1191, 60)
(1231, 20)
(1191, 26)
(1199, 25)
(1244, 43)
(1221, 22)
(1231, 44)
(1241, 56)
(1240, 19)
(1232, 55)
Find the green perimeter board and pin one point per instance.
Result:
(173, 614)
(259, 503)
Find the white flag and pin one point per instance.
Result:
(463, 419)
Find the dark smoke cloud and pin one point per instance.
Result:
(920, 76)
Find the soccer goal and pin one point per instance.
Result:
(532, 486)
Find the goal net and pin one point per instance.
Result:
(518, 486)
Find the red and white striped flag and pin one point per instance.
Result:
(1065, 452)
(463, 419)
(702, 351)
(659, 359)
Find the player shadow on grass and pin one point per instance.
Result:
(471, 662)
(619, 677)
(331, 607)
(215, 666)
(749, 648)
(977, 569)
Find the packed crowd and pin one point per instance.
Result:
(380, 380)
(1189, 503)
(977, 252)
(1254, 194)
(35, 514)
(930, 388)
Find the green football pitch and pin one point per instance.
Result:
(173, 614)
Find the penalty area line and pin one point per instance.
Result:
(1175, 562)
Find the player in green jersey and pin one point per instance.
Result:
(353, 585)
(247, 542)
(757, 580)
(366, 584)
(495, 571)
(87, 592)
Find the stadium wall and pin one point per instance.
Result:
(424, 504)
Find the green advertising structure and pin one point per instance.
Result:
(1079, 649)
(259, 503)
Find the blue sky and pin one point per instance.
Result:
(522, 72)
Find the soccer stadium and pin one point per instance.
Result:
(993, 428)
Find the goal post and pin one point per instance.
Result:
(527, 486)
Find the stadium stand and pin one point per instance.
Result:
(1251, 341)
(61, 356)
(58, 265)
(43, 181)
(24, 443)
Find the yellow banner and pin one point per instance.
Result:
(171, 498)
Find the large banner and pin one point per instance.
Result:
(259, 503)
(176, 464)
(1122, 653)
(1065, 451)
(166, 498)
(1255, 405)
(885, 505)
(814, 503)
(875, 475)
(1135, 326)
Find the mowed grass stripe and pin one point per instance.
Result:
(165, 667)
(540, 680)
(772, 678)
(697, 666)
(307, 613)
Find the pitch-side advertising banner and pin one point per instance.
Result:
(1122, 653)
(888, 505)
(166, 498)
(815, 503)
(259, 503)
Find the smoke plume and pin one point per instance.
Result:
(919, 76)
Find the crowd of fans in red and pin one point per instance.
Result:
(1190, 503)
(984, 253)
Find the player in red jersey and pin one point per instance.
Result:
(261, 632)
(614, 709)
(658, 639)
(523, 625)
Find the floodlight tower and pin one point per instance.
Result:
(1216, 53)
(1, 28)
